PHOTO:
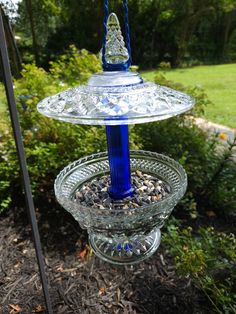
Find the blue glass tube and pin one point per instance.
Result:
(119, 161)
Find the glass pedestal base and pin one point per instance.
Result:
(125, 251)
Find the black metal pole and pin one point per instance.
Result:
(22, 160)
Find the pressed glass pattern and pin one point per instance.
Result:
(122, 236)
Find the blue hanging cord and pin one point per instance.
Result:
(119, 66)
(127, 30)
(106, 15)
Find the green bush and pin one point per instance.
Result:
(75, 66)
(209, 258)
(220, 188)
(49, 144)
(209, 163)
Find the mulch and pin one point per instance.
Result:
(78, 281)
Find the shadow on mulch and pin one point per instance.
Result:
(79, 282)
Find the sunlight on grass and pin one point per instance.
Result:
(219, 82)
(3, 106)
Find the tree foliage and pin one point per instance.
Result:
(9, 8)
(8, 13)
(49, 144)
(162, 30)
(37, 20)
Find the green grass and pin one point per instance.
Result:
(219, 82)
(2, 106)
(2, 99)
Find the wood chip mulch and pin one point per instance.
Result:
(78, 281)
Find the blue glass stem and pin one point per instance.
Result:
(118, 154)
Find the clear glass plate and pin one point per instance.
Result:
(116, 98)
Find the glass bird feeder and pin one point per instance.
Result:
(116, 98)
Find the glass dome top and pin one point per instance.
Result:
(115, 98)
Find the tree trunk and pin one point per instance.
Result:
(187, 28)
(13, 49)
(29, 9)
(228, 28)
(157, 6)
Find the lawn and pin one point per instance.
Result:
(219, 82)
(2, 99)
(3, 106)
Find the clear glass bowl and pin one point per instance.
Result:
(122, 236)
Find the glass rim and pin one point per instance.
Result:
(92, 159)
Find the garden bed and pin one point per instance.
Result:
(78, 281)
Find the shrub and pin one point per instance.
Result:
(49, 144)
(209, 163)
(209, 258)
(220, 188)
(75, 67)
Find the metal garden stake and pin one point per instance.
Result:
(22, 161)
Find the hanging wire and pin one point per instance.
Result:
(120, 66)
